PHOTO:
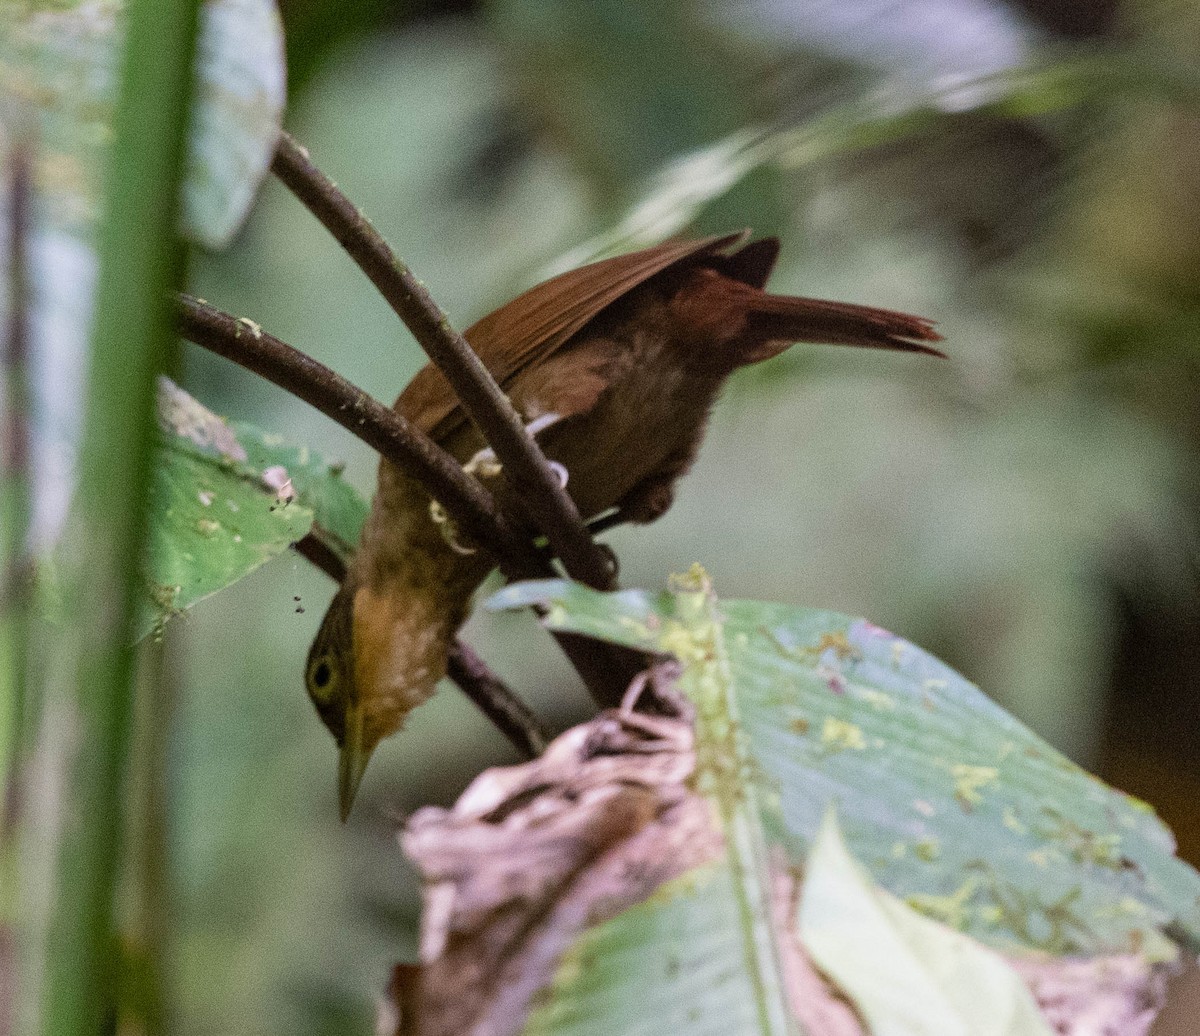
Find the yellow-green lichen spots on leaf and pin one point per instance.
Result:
(839, 734)
(808, 707)
(904, 972)
(969, 782)
(695, 637)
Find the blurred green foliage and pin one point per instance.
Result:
(985, 508)
(994, 509)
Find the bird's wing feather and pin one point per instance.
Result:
(533, 325)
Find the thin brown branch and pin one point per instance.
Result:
(485, 403)
(316, 550)
(380, 427)
(605, 669)
(508, 713)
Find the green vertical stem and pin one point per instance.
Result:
(140, 265)
(15, 562)
(15, 569)
(148, 967)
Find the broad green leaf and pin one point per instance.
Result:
(906, 974)
(951, 803)
(228, 498)
(676, 963)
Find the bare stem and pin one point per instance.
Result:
(91, 676)
(510, 715)
(485, 403)
(380, 427)
(316, 550)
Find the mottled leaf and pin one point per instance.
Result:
(951, 803)
(906, 974)
(228, 498)
(59, 68)
(60, 64)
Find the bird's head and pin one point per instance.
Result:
(375, 658)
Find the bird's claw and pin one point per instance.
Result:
(449, 531)
(484, 464)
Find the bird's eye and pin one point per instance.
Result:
(322, 677)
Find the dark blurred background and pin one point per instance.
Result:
(1024, 173)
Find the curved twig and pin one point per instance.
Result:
(605, 669)
(380, 427)
(508, 713)
(524, 464)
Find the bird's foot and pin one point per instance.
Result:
(485, 463)
(449, 531)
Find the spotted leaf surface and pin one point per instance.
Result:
(227, 499)
(950, 802)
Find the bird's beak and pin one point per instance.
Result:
(352, 762)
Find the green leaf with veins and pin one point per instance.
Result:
(227, 499)
(950, 802)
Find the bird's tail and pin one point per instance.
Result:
(773, 322)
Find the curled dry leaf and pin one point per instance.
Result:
(1118, 995)
(532, 855)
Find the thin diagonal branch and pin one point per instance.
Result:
(485, 403)
(499, 703)
(508, 713)
(467, 502)
(314, 549)
(605, 669)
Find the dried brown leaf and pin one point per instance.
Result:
(532, 855)
(1118, 995)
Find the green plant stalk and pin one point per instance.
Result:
(16, 576)
(140, 266)
(145, 986)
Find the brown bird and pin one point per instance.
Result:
(616, 365)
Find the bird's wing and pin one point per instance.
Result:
(533, 325)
